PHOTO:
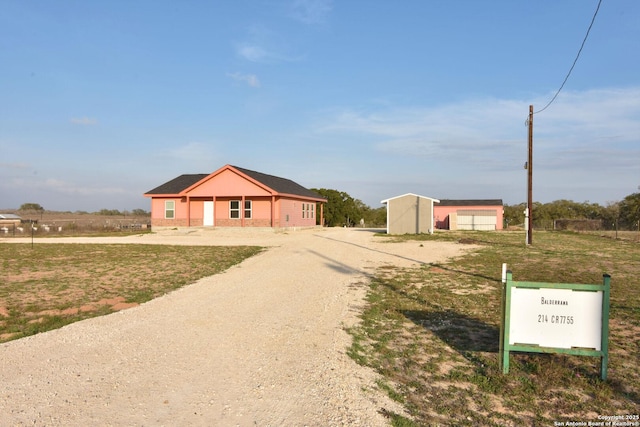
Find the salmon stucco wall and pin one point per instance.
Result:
(261, 208)
(287, 212)
(441, 214)
(291, 213)
(158, 213)
(260, 212)
(228, 184)
(196, 211)
(268, 207)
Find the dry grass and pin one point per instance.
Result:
(632, 236)
(50, 285)
(433, 333)
(58, 224)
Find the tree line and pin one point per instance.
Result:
(342, 209)
(624, 214)
(36, 207)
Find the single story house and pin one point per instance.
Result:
(234, 197)
(410, 214)
(485, 214)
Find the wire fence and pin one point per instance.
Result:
(28, 228)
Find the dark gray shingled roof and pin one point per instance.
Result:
(477, 202)
(178, 184)
(279, 185)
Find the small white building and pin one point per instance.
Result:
(410, 214)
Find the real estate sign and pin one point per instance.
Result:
(562, 318)
(555, 318)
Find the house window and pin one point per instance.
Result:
(169, 209)
(312, 205)
(234, 209)
(307, 210)
(247, 209)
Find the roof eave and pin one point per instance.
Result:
(162, 195)
(385, 201)
(234, 170)
(299, 196)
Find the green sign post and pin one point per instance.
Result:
(555, 318)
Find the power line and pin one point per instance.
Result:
(574, 61)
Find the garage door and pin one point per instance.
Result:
(480, 219)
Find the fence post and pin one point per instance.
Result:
(606, 293)
(505, 323)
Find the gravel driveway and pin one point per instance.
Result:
(260, 344)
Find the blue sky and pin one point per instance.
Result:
(101, 101)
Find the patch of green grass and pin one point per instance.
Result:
(391, 392)
(50, 285)
(400, 421)
(432, 332)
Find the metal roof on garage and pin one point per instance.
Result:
(469, 202)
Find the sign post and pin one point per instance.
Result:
(555, 318)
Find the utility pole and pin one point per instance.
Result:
(529, 211)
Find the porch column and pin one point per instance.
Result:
(242, 210)
(188, 211)
(273, 211)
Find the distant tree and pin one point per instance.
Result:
(140, 212)
(514, 214)
(611, 215)
(112, 212)
(34, 207)
(341, 209)
(374, 217)
(31, 207)
(630, 211)
(590, 210)
(559, 209)
(544, 214)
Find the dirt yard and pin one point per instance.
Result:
(260, 344)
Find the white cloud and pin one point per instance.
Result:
(85, 121)
(602, 114)
(250, 79)
(443, 131)
(262, 45)
(311, 11)
(586, 146)
(253, 53)
(593, 119)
